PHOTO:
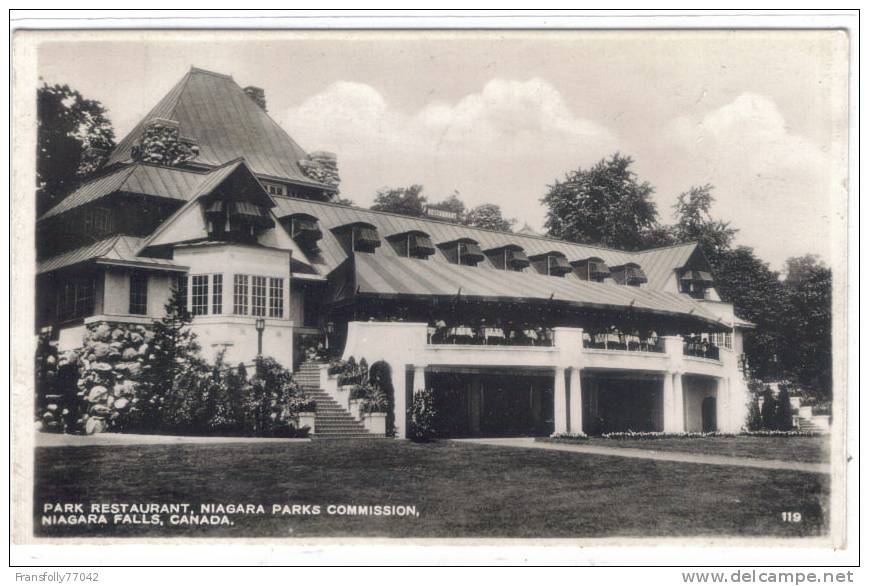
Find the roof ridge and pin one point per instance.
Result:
(194, 69)
(689, 243)
(439, 221)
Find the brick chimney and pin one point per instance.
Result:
(258, 95)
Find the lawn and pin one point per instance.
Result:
(794, 449)
(459, 490)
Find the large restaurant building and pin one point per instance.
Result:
(515, 333)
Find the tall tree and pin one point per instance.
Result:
(694, 222)
(809, 328)
(451, 204)
(605, 204)
(407, 201)
(74, 135)
(489, 216)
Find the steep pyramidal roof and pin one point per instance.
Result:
(214, 110)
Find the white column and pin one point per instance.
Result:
(418, 378)
(678, 403)
(575, 401)
(674, 403)
(560, 401)
(399, 386)
(722, 404)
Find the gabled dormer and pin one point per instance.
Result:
(695, 283)
(463, 251)
(236, 207)
(510, 257)
(630, 274)
(552, 263)
(412, 244)
(591, 269)
(358, 237)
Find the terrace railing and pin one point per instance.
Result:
(700, 349)
(622, 342)
(489, 336)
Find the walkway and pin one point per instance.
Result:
(57, 440)
(527, 442)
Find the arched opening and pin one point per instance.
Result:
(708, 410)
(380, 374)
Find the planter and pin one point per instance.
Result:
(375, 423)
(307, 419)
(354, 406)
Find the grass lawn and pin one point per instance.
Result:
(460, 490)
(795, 449)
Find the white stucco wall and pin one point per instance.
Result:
(237, 333)
(697, 389)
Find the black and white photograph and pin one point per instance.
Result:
(470, 285)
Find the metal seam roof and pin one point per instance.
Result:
(120, 248)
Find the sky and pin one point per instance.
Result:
(499, 115)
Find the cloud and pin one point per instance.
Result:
(776, 186)
(502, 144)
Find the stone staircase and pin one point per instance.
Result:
(332, 421)
(805, 424)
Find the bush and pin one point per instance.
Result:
(380, 375)
(754, 421)
(422, 416)
(767, 412)
(784, 413)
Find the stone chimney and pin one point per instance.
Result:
(161, 143)
(322, 167)
(258, 95)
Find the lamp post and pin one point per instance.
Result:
(260, 326)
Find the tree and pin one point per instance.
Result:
(489, 216)
(407, 201)
(605, 204)
(74, 135)
(174, 352)
(809, 327)
(784, 413)
(768, 410)
(694, 222)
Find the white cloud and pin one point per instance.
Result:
(775, 185)
(502, 144)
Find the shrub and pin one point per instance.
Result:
(784, 413)
(767, 412)
(422, 416)
(375, 402)
(380, 375)
(275, 399)
(754, 420)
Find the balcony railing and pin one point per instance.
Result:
(622, 342)
(489, 336)
(700, 349)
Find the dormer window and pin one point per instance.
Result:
(591, 269)
(413, 244)
(695, 283)
(628, 274)
(508, 258)
(552, 263)
(304, 229)
(359, 236)
(275, 188)
(464, 251)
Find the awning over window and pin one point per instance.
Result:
(558, 265)
(470, 251)
(251, 213)
(306, 229)
(421, 245)
(696, 277)
(366, 237)
(597, 268)
(517, 258)
(634, 275)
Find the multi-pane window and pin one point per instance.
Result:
(217, 294)
(258, 297)
(199, 295)
(276, 297)
(139, 293)
(98, 221)
(75, 298)
(239, 295)
(275, 188)
(722, 339)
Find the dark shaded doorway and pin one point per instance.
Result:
(708, 410)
